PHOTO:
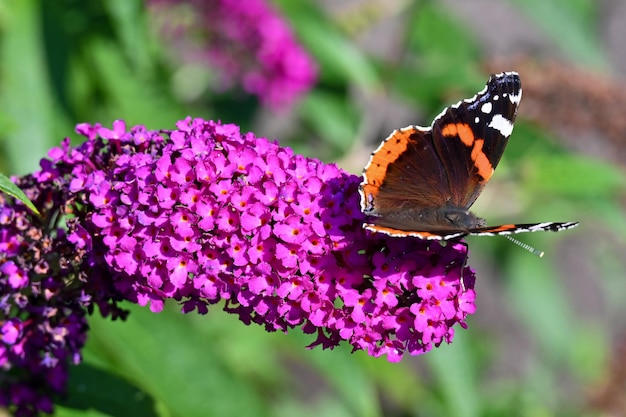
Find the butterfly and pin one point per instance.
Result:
(422, 181)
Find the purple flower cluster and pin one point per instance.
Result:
(203, 215)
(216, 215)
(46, 290)
(248, 41)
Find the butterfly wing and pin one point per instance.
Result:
(471, 136)
(509, 229)
(403, 172)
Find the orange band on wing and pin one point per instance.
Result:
(482, 163)
(465, 134)
(413, 233)
(387, 153)
(462, 130)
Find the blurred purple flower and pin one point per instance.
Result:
(249, 42)
(205, 214)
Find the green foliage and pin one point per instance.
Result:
(7, 187)
(72, 61)
(340, 60)
(571, 25)
(330, 115)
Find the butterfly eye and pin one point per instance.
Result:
(462, 219)
(453, 218)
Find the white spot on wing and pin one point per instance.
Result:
(486, 108)
(502, 125)
(515, 99)
(477, 120)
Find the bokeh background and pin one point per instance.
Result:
(549, 336)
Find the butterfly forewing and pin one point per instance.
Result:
(471, 136)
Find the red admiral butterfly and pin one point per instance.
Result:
(422, 181)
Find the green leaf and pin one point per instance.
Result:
(436, 89)
(574, 176)
(338, 56)
(129, 23)
(180, 360)
(453, 366)
(401, 384)
(134, 96)
(331, 117)
(25, 94)
(440, 64)
(440, 41)
(8, 187)
(104, 393)
(349, 379)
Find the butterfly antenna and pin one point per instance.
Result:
(525, 246)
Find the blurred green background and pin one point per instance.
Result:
(548, 338)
